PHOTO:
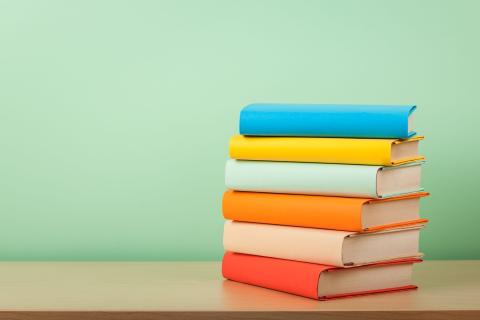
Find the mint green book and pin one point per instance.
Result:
(343, 180)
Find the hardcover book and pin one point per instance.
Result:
(331, 247)
(318, 281)
(327, 120)
(385, 152)
(323, 178)
(337, 213)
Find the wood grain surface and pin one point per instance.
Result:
(196, 290)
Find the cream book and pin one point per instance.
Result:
(329, 247)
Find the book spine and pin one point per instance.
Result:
(285, 242)
(281, 275)
(324, 150)
(294, 210)
(302, 178)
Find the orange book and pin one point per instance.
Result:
(337, 213)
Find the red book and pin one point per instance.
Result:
(318, 281)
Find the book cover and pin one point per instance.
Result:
(337, 213)
(323, 178)
(331, 247)
(299, 278)
(327, 120)
(386, 152)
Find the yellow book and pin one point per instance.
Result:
(386, 152)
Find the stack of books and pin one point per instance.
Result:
(323, 201)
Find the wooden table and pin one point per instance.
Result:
(196, 290)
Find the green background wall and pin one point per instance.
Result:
(115, 115)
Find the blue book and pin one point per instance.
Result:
(327, 120)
